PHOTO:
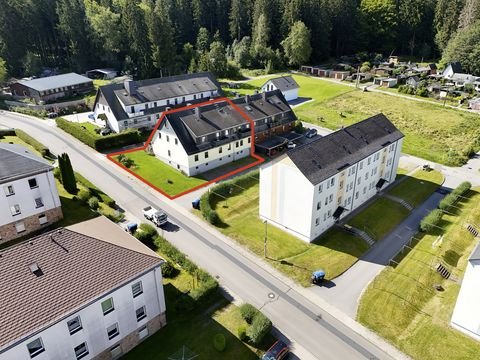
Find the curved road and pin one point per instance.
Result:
(315, 330)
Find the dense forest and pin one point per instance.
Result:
(149, 38)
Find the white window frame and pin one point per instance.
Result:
(37, 351)
(113, 331)
(109, 310)
(82, 354)
(137, 289)
(143, 313)
(9, 190)
(77, 320)
(15, 209)
(39, 203)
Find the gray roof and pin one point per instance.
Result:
(283, 83)
(154, 90)
(221, 116)
(55, 82)
(76, 269)
(18, 162)
(475, 254)
(327, 156)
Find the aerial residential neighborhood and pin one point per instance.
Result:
(229, 179)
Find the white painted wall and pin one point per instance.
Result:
(25, 197)
(58, 342)
(306, 210)
(466, 315)
(289, 95)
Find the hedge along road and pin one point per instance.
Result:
(305, 323)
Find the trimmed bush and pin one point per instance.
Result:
(462, 188)
(213, 217)
(84, 195)
(248, 312)
(93, 203)
(102, 197)
(260, 327)
(42, 149)
(430, 222)
(168, 270)
(242, 333)
(219, 342)
(146, 233)
(447, 201)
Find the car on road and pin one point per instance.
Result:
(291, 145)
(278, 351)
(311, 133)
(158, 217)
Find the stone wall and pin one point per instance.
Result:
(131, 340)
(9, 232)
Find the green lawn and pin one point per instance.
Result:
(431, 130)
(18, 141)
(401, 304)
(335, 251)
(380, 217)
(90, 128)
(162, 175)
(196, 329)
(73, 210)
(418, 187)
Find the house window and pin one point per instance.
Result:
(220, 150)
(137, 289)
(125, 123)
(194, 97)
(74, 325)
(230, 146)
(146, 106)
(226, 132)
(349, 200)
(364, 190)
(326, 201)
(32, 183)
(132, 109)
(341, 184)
(356, 195)
(329, 214)
(135, 121)
(81, 350)
(325, 217)
(359, 180)
(112, 331)
(366, 176)
(361, 165)
(332, 182)
(141, 313)
(236, 144)
(320, 188)
(339, 201)
(330, 198)
(9, 190)
(15, 209)
(154, 104)
(169, 154)
(168, 138)
(168, 101)
(203, 138)
(241, 142)
(143, 333)
(249, 140)
(35, 347)
(195, 157)
(206, 154)
(317, 221)
(159, 135)
(107, 306)
(38, 203)
(20, 227)
(319, 205)
(369, 160)
(176, 141)
(42, 219)
(115, 352)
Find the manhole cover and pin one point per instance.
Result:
(217, 277)
(271, 295)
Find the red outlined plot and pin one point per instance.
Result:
(259, 159)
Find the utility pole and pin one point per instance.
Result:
(265, 240)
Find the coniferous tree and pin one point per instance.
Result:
(297, 44)
(238, 24)
(67, 175)
(447, 13)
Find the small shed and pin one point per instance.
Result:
(339, 75)
(474, 104)
(105, 74)
(286, 84)
(413, 81)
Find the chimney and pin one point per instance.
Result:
(247, 99)
(264, 96)
(197, 112)
(129, 86)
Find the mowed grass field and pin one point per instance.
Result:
(334, 252)
(432, 132)
(402, 305)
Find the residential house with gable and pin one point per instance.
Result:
(286, 84)
(89, 291)
(311, 187)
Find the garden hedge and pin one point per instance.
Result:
(248, 312)
(260, 327)
(430, 222)
(451, 198)
(42, 149)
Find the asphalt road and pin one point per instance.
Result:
(322, 335)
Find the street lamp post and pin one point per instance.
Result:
(265, 240)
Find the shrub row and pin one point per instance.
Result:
(95, 191)
(259, 327)
(42, 149)
(221, 191)
(451, 198)
(430, 222)
(29, 111)
(97, 142)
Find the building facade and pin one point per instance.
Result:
(94, 298)
(29, 198)
(199, 139)
(313, 186)
(139, 104)
(53, 87)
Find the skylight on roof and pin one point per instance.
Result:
(35, 269)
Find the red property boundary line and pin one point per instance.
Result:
(260, 160)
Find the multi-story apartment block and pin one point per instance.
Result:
(311, 187)
(29, 198)
(90, 291)
(139, 104)
(201, 138)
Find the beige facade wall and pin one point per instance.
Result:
(131, 340)
(9, 231)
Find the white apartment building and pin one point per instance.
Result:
(466, 315)
(314, 185)
(286, 84)
(29, 198)
(90, 291)
(199, 139)
(139, 104)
